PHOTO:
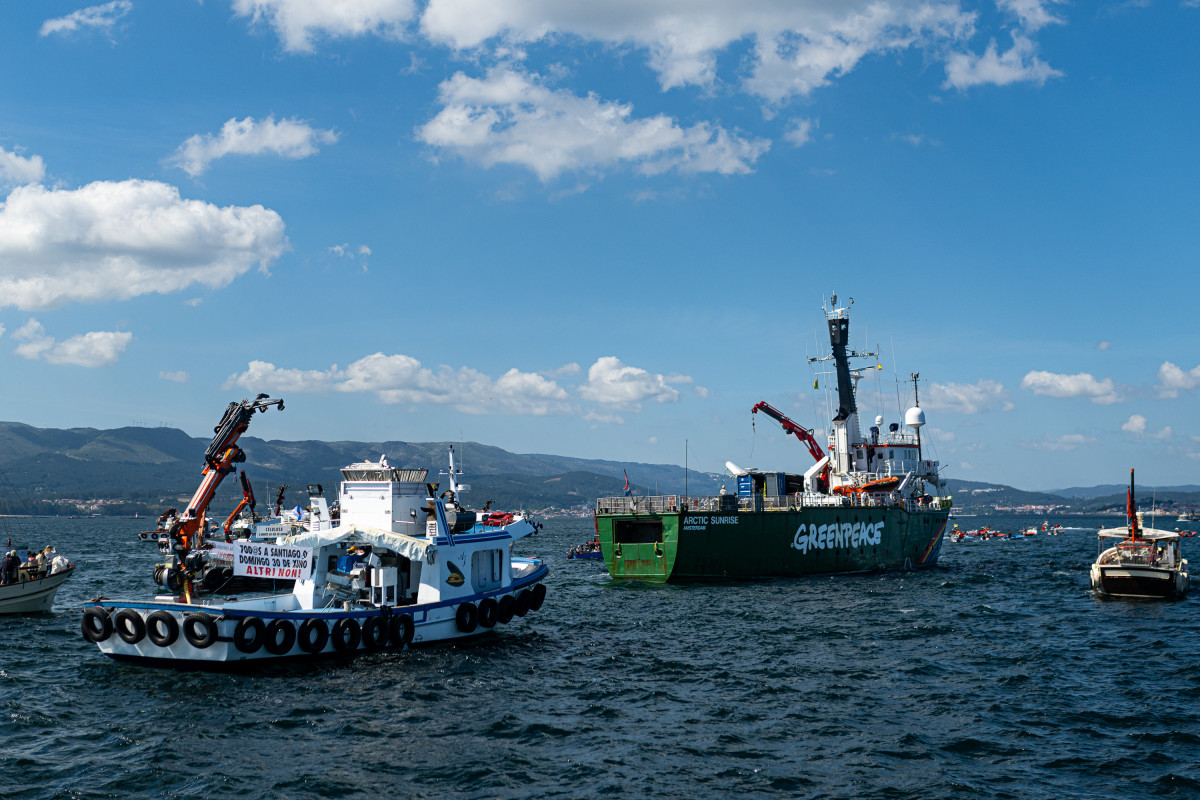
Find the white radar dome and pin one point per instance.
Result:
(879, 420)
(914, 417)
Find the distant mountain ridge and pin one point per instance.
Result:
(152, 468)
(152, 465)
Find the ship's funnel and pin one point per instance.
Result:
(735, 470)
(914, 417)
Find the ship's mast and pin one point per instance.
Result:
(845, 421)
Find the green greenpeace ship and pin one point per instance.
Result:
(867, 503)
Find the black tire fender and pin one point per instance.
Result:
(313, 635)
(249, 635)
(129, 625)
(375, 632)
(200, 629)
(281, 636)
(539, 597)
(347, 634)
(505, 609)
(96, 624)
(401, 628)
(162, 628)
(488, 608)
(467, 617)
(523, 601)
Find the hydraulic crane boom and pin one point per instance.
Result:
(247, 500)
(801, 433)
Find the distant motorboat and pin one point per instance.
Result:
(1135, 561)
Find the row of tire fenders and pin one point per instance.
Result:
(279, 635)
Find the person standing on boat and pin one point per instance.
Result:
(8, 567)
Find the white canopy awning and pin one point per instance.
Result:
(410, 547)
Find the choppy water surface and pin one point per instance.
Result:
(996, 674)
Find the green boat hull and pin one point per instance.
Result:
(681, 547)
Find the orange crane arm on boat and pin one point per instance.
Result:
(221, 454)
(800, 432)
(247, 500)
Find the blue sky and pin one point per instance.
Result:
(606, 230)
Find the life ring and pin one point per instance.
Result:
(505, 609)
(539, 596)
(249, 635)
(347, 633)
(129, 625)
(199, 629)
(96, 624)
(488, 608)
(275, 645)
(402, 629)
(374, 632)
(162, 628)
(313, 635)
(523, 601)
(467, 617)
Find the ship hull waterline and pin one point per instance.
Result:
(738, 545)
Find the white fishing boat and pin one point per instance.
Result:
(1136, 561)
(32, 591)
(403, 566)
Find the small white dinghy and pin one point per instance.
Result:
(402, 567)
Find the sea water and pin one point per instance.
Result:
(995, 675)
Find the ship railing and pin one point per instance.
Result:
(711, 504)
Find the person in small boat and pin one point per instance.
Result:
(8, 567)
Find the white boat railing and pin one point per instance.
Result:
(708, 504)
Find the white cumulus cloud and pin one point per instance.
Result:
(799, 131)
(95, 349)
(1083, 384)
(1172, 380)
(101, 18)
(510, 117)
(288, 138)
(403, 379)
(1135, 424)
(968, 398)
(117, 240)
(298, 22)
(797, 45)
(613, 383)
(16, 170)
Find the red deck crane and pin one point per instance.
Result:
(800, 432)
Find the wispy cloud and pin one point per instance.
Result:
(511, 117)
(288, 138)
(1083, 384)
(1069, 441)
(298, 22)
(95, 349)
(968, 398)
(95, 18)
